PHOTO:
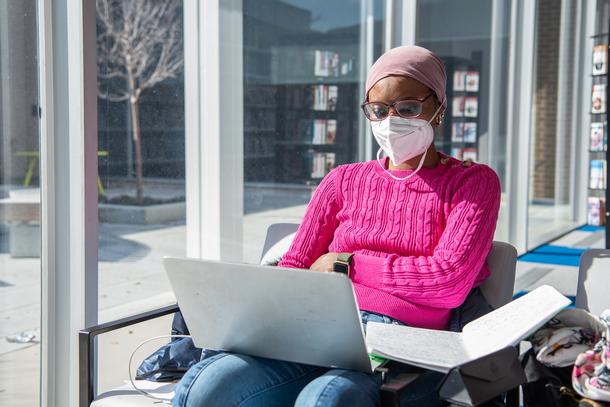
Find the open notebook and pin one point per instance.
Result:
(443, 350)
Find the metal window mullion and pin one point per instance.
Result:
(582, 85)
(563, 175)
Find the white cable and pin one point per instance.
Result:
(144, 392)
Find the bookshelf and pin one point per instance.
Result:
(460, 135)
(316, 115)
(316, 129)
(599, 156)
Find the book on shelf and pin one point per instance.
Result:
(457, 132)
(331, 131)
(597, 174)
(443, 350)
(600, 59)
(459, 81)
(596, 211)
(319, 131)
(599, 139)
(326, 63)
(469, 154)
(471, 106)
(333, 95)
(330, 162)
(472, 81)
(324, 131)
(470, 132)
(457, 106)
(598, 98)
(457, 153)
(317, 165)
(325, 97)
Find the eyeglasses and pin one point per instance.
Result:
(407, 108)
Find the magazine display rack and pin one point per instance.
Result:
(597, 201)
(460, 135)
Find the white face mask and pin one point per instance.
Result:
(402, 139)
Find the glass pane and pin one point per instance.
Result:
(473, 42)
(550, 209)
(141, 152)
(304, 64)
(20, 234)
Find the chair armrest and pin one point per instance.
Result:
(86, 358)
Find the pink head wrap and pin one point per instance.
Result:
(412, 61)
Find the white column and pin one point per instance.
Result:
(367, 32)
(68, 95)
(520, 91)
(214, 128)
(499, 22)
(409, 22)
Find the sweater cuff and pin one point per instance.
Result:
(367, 270)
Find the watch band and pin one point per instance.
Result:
(342, 264)
(345, 257)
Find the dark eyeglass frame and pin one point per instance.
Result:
(394, 105)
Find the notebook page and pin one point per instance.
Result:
(432, 349)
(509, 324)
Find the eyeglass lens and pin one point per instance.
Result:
(404, 108)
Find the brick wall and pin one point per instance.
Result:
(545, 100)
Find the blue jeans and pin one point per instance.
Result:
(226, 379)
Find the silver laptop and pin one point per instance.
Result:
(279, 313)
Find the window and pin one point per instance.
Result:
(304, 64)
(20, 235)
(473, 41)
(140, 152)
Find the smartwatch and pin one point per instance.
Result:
(342, 264)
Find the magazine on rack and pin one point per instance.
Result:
(470, 154)
(471, 106)
(444, 350)
(596, 211)
(597, 137)
(458, 106)
(597, 171)
(600, 59)
(459, 81)
(598, 99)
(472, 81)
(470, 132)
(457, 132)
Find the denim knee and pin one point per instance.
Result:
(341, 388)
(240, 380)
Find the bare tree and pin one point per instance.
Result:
(139, 45)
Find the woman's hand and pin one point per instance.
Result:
(325, 263)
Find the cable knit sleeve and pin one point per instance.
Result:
(444, 279)
(318, 226)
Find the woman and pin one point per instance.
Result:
(416, 225)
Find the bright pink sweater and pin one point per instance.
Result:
(419, 245)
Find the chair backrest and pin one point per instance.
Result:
(502, 261)
(497, 289)
(275, 234)
(593, 281)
